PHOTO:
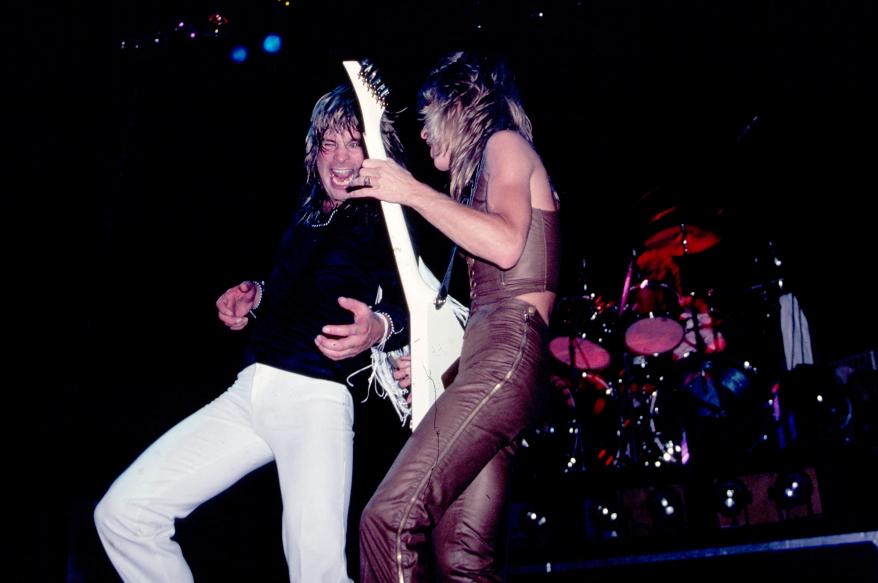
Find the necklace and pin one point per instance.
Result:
(324, 223)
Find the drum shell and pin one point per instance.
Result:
(651, 316)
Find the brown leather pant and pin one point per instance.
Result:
(448, 484)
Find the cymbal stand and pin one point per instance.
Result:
(576, 460)
(700, 346)
(576, 457)
(627, 285)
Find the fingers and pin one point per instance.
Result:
(403, 377)
(363, 182)
(233, 322)
(344, 330)
(328, 347)
(226, 311)
(337, 348)
(403, 372)
(361, 313)
(229, 301)
(338, 341)
(356, 307)
(224, 305)
(370, 173)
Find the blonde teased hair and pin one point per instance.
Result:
(465, 100)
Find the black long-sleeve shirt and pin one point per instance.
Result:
(345, 254)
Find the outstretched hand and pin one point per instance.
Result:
(346, 340)
(234, 305)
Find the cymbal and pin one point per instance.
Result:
(671, 240)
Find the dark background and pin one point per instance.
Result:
(148, 179)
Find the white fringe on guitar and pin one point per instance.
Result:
(383, 362)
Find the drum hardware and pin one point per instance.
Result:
(767, 285)
(641, 438)
(649, 374)
(560, 440)
(627, 285)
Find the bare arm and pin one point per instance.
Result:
(497, 236)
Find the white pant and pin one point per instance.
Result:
(304, 424)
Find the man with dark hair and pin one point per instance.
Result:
(289, 403)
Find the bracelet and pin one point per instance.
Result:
(389, 330)
(259, 294)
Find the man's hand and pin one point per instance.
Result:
(234, 305)
(346, 340)
(403, 373)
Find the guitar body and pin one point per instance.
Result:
(436, 333)
(436, 341)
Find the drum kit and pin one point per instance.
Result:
(642, 375)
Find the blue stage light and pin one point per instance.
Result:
(239, 54)
(272, 43)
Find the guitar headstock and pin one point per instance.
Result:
(372, 95)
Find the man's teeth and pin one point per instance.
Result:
(342, 175)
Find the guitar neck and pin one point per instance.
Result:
(397, 229)
(435, 332)
(401, 242)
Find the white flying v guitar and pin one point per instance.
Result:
(435, 328)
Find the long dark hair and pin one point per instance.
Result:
(336, 110)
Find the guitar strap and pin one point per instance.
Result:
(468, 201)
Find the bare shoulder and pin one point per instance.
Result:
(515, 167)
(508, 140)
(508, 149)
(515, 158)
